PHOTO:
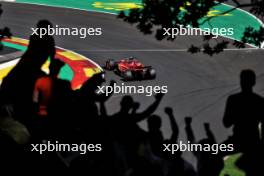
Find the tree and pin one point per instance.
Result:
(157, 15)
(5, 32)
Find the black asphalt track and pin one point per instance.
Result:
(6, 50)
(198, 85)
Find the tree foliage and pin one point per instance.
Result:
(159, 14)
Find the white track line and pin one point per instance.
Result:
(95, 11)
(250, 14)
(9, 64)
(98, 11)
(148, 50)
(97, 65)
(160, 50)
(14, 62)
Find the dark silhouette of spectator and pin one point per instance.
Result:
(208, 164)
(174, 125)
(16, 95)
(90, 126)
(127, 135)
(156, 138)
(155, 134)
(88, 94)
(62, 101)
(86, 110)
(176, 165)
(52, 97)
(125, 122)
(17, 87)
(150, 159)
(43, 91)
(244, 112)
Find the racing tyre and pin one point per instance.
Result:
(110, 64)
(152, 73)
(128, 75)
(144, 74)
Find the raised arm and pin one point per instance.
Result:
(141, 116)
(189, 130)
(173, 123)
(135, 108)
(103, 112)
(209, 132)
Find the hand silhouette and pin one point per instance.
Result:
(168, 111)
(188, 120)
(207, 126)
(159, 96)
(136, 105)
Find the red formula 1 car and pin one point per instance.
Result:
(131, 69)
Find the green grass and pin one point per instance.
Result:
(230, 167)
(237, 19)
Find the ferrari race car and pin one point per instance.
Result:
(130, 69)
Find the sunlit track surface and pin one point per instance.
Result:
(198, 84)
